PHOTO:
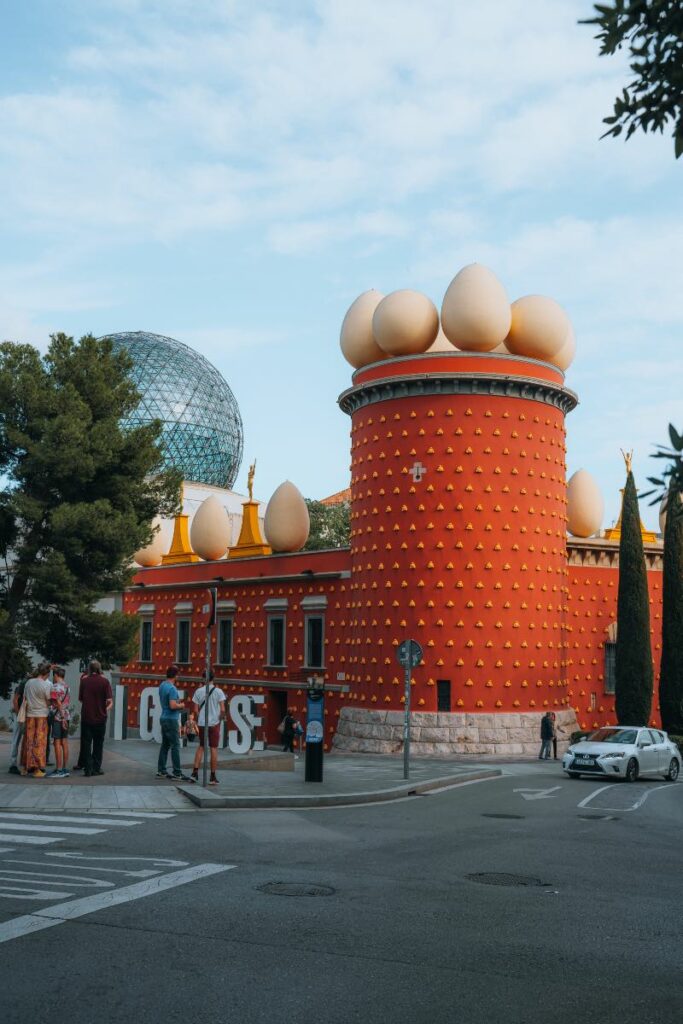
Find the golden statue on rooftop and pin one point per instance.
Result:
(250, 480)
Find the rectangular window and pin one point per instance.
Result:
(146, 640)
(610, 666)
(276, 640)
(314, 640)
(182, 655)
(224, 642)
(443, 695)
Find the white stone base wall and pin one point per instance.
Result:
(437, 733)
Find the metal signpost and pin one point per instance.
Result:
(409, 654)
(209, 609)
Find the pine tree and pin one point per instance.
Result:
(633, 667)
(79, 493)
(671, 669)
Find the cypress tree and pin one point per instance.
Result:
(671, 669)
(633, 667)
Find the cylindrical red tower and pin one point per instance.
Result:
(458, 505)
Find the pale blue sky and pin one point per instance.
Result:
(235, 173)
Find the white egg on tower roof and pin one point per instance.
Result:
(210, 530)
(475, 313)
(539, 327)
(356, 339)
(287, 523)
(152, 554)
(564, 358)
(405, 323)
(585, 504)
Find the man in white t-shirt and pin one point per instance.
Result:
(209, 702)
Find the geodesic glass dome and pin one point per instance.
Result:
(202, 426)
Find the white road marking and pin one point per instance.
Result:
(537, 794)
(132, 814)
(144, 873)
(162, 862)
(62, 912)
(30, 840)
(634, 807)
(66, 820)
(13, 892)
(81, 881)
(67, 829)
(587, 800)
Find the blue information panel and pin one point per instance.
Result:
(315, 720)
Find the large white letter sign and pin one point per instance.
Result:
(150, 711)
(240, 738)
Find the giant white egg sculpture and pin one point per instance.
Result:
(152, 554)
(585, 504)
(564, 358)
(475, 313)
(287, 523)
(356, 339)
(210, 530)
(405, 323)
(539, 327)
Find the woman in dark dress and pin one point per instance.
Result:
(288, 732)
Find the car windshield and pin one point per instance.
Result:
(613, 736)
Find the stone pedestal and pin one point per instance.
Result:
(449, 733)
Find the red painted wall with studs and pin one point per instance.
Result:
(592, 607)
(470, 560)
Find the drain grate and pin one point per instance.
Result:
(502, 878)
(516, 817)
(296, 889)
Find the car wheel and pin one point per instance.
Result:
(673, 771)
(632, 770)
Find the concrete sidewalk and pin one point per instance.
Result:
(267, 779)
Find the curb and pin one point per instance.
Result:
(217, 801)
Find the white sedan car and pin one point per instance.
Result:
(623, 752)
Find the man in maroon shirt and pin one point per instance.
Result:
(96, 700)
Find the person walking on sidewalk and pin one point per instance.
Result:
(18, 728)
(210, 704)
(547, 731)
(59, 696)
(288, 731)
(96, 702)
(171, 706)
(37, 698)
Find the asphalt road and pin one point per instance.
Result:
(156, 919)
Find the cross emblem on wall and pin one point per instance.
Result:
(417, 471)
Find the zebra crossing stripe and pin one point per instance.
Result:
(48, 818)
(63, 912)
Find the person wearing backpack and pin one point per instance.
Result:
(209, 700)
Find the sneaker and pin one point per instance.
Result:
(98, 771)
(213, 781)
(163, 775)
(54, 774)
(13, 770)
(38, 774)
(77, 768)
(65, 773)
(182, 778)
(195, 775)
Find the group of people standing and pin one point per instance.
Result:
(42, 707)
(207, 712)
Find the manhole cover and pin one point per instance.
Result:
(502, 878)
(517, 817)
(295, 889)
